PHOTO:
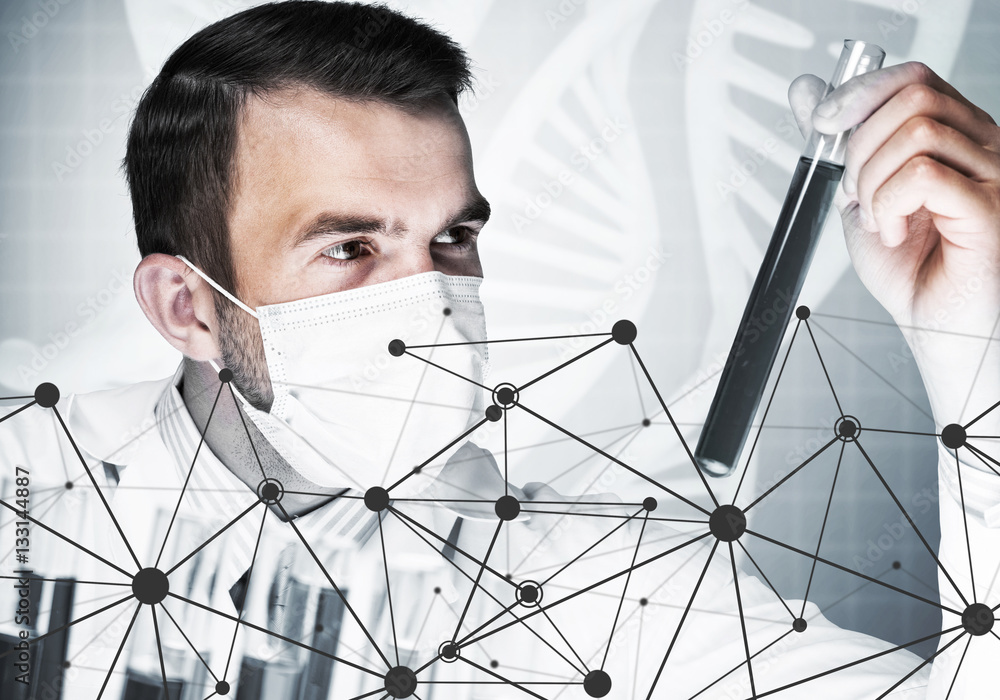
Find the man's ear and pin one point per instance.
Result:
(179, 304)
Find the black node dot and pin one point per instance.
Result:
(449, 652)
(727, 523)
(649, 504)
(643, 602)
(150, 586)
(396, 347)
(447, 311)
(66, 664)
(978, 619)
(400, 682)
(847, 429)
(646, 422)
(437, 590)
(376, 499)
(953, 436)
(597, 684)
(799, 625)
(802, 313)
(509, 577)
(417, 469)
(47, 395)
(505, 395)
(270, 491)
(529, 594)
(507, 508)
(222, 688)
(69, 485)
(319, 627)
(225, 375)
(623, 332)
(494, 413)
(494, 663)
(896, 565)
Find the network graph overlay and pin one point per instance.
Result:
(483, 589)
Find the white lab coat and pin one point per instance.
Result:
(118, 427)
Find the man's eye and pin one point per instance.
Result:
(457, 235)
(348, 250)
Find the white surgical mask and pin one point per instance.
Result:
(346, 412)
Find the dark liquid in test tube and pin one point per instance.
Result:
(768, 312)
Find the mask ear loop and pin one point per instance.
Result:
(215, 285)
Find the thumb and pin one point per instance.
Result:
(804, 94)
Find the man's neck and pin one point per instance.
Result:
(229, 434)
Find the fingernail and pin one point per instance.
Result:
(827, 109)
(848, 183)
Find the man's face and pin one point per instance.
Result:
(331, 195)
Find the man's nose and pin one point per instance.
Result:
(414, 262)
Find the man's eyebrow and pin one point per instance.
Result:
(330, 223)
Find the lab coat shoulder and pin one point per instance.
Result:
(105, 426)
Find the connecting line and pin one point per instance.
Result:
(159, 651)
(892, 324)
(854, 573)
(15, 412)
(445, 369)
(100, 493)
(680, 624)
(194, 460)
(873, 371)
(40, 637)
(567, 362)
(409, 410)
(491, 342)
(253, 562)
(584, 552)
(638, 387)
(19, 512)
(921, 665)
(791, 474)
(388, 588)
(119, 652)
(591, 587)
(439, 452)
(583, 663)
(493, 597)
(826, 515)
(370, 395)
(368, 695)
(617, 461)
(505, 680)
(766, 579)
(823, 365)
(983, 457)
(95, 583)
(965, 521)
(677, 430)
(621, 601)
(246, 428)
(774, 390)
(209, 540)
(912, 524)
(479, 576)
(335, 587)
(405, 517)
(958, 668)
(743, 623)
(981, 415)
(506, 482)
(193, 648)
(740, 665)
(282, 637)
(864, 660)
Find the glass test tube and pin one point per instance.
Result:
(776, 289)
